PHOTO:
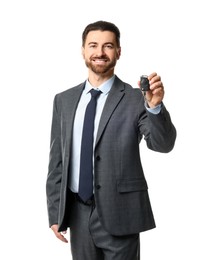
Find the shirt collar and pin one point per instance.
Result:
(104, 88)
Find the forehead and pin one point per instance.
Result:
(101, 37)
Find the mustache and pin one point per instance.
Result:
(102, 57)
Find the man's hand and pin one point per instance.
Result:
(156, 93)
(59, 234)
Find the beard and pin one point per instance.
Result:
(99, 68)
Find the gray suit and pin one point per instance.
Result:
(121, 192)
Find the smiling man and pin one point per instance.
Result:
(95, 184)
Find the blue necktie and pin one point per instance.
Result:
(86, 157)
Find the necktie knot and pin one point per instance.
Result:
(95, 93)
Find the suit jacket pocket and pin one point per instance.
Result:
(131, 185)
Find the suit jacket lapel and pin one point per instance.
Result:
(71, 106)
(114, 97)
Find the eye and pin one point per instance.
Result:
(93, 45)
(109, 46)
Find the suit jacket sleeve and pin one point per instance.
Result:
(159, 131)
(55, 167)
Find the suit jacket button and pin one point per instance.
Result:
(98, 186)
(98, 158)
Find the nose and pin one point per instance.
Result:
(100, 50)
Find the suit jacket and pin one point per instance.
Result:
(121, 191)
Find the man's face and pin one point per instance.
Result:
(100, 52)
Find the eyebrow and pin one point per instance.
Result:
(103, 44)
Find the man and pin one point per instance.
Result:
(106, 224)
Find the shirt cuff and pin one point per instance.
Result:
(154, 110)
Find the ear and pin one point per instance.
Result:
(83, 52)
(118, 53)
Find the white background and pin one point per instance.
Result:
(40, 55)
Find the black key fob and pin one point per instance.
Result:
(144, 83)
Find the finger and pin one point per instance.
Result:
(58, 234)
(158, 91)
(61, 237)
(155, 79)
(156, 84)
(152, 76)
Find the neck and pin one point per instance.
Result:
(97, 79)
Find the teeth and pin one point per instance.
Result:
(100, 61)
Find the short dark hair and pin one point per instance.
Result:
(101, 26)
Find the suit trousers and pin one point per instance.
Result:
(90, 241)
